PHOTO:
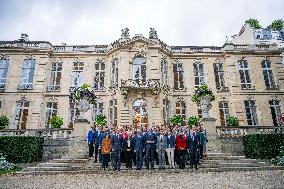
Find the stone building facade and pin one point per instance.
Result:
(139, 78)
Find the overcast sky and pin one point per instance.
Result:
(178, 22)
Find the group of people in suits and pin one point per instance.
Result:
(163, 146)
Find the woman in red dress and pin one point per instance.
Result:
(181, 149)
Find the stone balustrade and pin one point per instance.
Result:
(47, 134)
(236, 132)
(25, 44)
(80, 48)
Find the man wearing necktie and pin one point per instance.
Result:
(151, 140)
(193, 141)
(161, 146)
(116, 140)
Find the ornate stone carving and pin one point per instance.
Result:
(153, 34)
(30, 57)
(125, 33)
(4, 57)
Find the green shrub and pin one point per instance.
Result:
(193, 120)
(202, 90)
(254, 23)
(263, 146)
(4, 122)
(177, 120)
(101, 120)
(232, 121)
(56, 121)
(21, 149)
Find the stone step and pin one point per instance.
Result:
(224, 157)
(218, 154)
(68, 161)
(144, 171)
(229, 165)
(50, 164)
(229, 161)
(47, 169)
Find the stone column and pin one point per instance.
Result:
(78, 147)
(213, 144)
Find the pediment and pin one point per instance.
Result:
(138, 43)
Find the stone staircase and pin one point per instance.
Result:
(214, 162)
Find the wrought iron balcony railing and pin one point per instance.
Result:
(141, 84)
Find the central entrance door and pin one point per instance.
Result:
(139, 113)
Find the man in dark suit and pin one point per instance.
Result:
(128, 148)
(116, 140)
(150, 140)
(192, 142)
(98, 138)
(139, 147)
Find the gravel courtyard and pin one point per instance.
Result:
(225, 180)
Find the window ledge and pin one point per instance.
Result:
(224, 89)
(180, 90)
(25, 87)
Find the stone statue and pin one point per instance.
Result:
(125, 33)
(153, 34)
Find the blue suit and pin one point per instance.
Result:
(192, 143)
(99, 136)
(138, 147)
(150, 140)
(116, 140)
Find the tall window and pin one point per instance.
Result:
(4, 64)
(139, 71)
(164, 70)
(268, 74)
(0, 104)
(21, 114)
(55, 76)
(98, 109)
(251, 112)
(198, 72)
(27, 76)
(181, 108)
(275, 109)
(219, 75)
(178, 76)
(51, 110)
(244, 74)
(224, 112)
(77, 74)
(99, 78)
(114, 73)
(166, 111)
(113, 111)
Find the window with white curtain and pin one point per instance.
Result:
(27, 75)
(55, 76)
(99, 77)
(4, 64)
(77, 75)
(198, 73)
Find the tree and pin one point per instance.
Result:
(254, 23)
(277, 25)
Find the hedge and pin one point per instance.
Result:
(21, 149)
(263, 146)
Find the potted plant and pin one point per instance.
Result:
(177, 120)
(203, 96)
(83, 97)
(193, 120)
(232, 121)
(56, 122)
(101, 120)
(4, 122)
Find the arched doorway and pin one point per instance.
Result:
(139, 113)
